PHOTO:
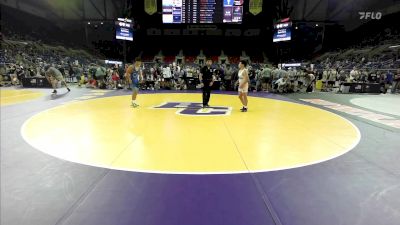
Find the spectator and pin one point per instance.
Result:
(100, 75)
(115, 79)
(266, 78)
(396, 82)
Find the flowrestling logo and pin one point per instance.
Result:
(195, 109)
(370, 15)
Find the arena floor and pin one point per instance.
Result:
(86, 157)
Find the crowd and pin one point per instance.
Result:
(26, 59)
(263, 77)
(186, 77)
(21, 60)
(376, 65)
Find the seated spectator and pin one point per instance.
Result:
(354, 74)
(92, 83)
(372, 77)
(180, 84)
(280, 85)
(82, 80)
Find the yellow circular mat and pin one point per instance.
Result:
(10, 97)
(169, 133)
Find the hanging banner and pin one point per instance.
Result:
(255, 6)
(150, 6)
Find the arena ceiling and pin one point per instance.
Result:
(345, 12)
(70, 9)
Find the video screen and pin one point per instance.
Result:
(282, 32)
(124, 29)
(202, 11)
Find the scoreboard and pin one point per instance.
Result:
(283, 31)
(202, 11)
(124, 29)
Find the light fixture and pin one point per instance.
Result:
(88, 23)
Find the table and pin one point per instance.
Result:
(362, 87)
(35, 82)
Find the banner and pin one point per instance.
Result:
(255, 6)
(150, 6)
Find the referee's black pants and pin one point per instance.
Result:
(206, 93)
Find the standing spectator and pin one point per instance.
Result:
(310, 80)
(115, 78)
(291, 81)
(258, 79)
(389, 79)
(227, 78)
(71, 72)
(382, 81)
(396, 81)
(101, 73)
(167, 75)
(333, 74)
(364, 76)
(252, 78)
(127, 79)
(266, 78)
(325, 77)
(150, 81)
(121, 72)
(354, 74)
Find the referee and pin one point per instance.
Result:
(207, 78)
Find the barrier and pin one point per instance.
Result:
(35, 82)
(361, 88)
